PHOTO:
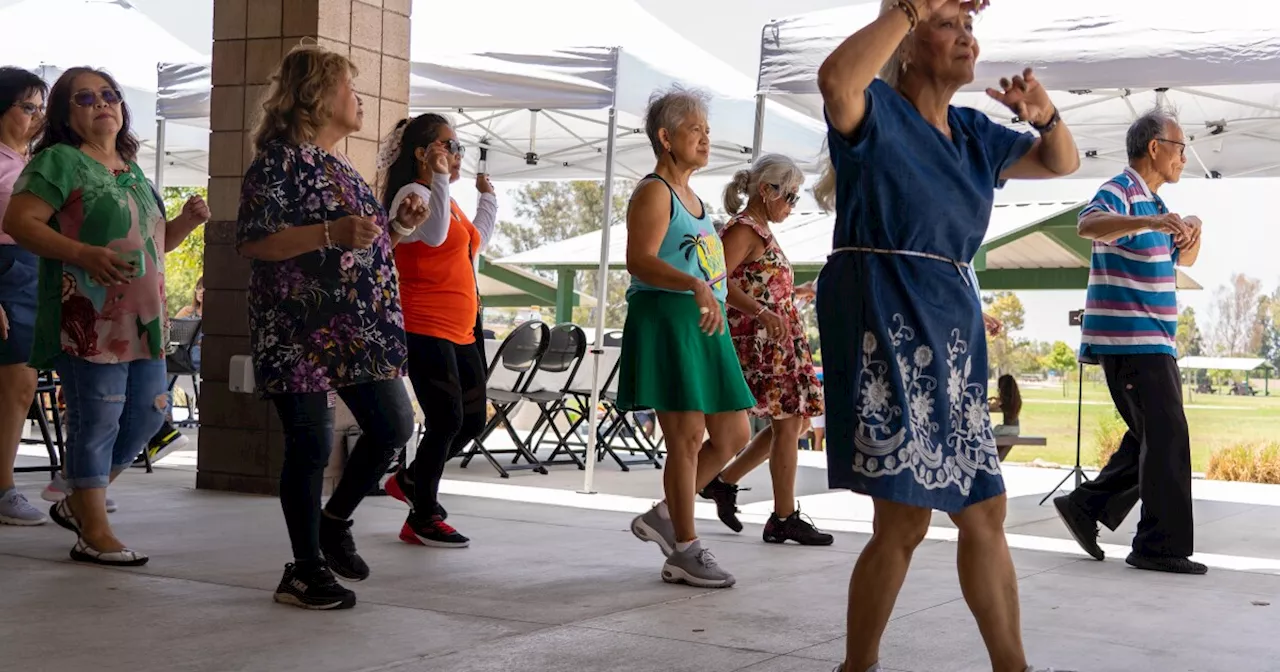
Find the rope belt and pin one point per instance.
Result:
(960, 266)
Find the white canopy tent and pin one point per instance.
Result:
(1104, 62)
(557, 90)
(133, 46)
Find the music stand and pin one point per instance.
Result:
(1075, 318)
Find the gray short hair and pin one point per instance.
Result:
(1150, 126)
(668, 108)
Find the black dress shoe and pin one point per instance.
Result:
(1083, 528)
(1157, 563)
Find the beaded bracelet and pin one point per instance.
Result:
(328, 242)
(908, 8)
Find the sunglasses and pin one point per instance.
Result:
(87, 98)
(455, 147)
(791, 197)
(30, 109)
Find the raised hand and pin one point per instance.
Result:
(483, 185)
(1025, 97)
(412, 212)
(196, 210)
(438, 159)
(927, 8)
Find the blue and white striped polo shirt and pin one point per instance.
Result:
(1132, 305)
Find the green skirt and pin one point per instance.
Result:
(668, 364)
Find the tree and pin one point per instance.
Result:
(1006, 307)
(1236, 308)
(555, 211)
(1269, 327)
(1190, 342)
(1062, 360)
(184, 265)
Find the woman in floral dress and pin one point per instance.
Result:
(771, 344)
(324, 313)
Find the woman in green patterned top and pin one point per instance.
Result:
(84, 207)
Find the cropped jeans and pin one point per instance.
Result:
(112, 410)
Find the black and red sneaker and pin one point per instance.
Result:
(400, 487)
(795, 528)
(432, 532)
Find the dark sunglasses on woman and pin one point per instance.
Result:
(87, 98)
(455, 147)
(791, 197)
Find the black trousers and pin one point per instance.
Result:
(449, 381)
(1153, 463)
(385, 416)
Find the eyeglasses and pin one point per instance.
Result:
(455, 147)
(87, 98)
(791, 197)
(30, 109)
(1182, 146)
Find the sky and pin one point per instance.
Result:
(1240, 224)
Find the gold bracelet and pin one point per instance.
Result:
(908, 8)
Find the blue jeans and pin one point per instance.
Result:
(112, 410)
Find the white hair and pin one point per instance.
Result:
(774, 169)
(668, 109)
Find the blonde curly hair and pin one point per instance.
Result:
(295, 108)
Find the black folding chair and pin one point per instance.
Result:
(617, 424)
(559, 365)
(520, 355)
(44, 412)
(184, 336)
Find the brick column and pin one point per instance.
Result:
(241, 446)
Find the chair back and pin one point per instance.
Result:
(520, 353)
(183, 335)
(567, 347)
(613, 339)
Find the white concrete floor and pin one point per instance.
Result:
(555, 582)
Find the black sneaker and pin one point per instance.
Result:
(339, 549)
(165, 441)
(1083, 528)
(433, 532)
(312, 586)
(795, 528)
(725, 495)
(1163, 564)
(399, 487)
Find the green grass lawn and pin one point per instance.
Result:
(1215, 421)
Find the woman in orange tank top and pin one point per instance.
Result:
(442, 322)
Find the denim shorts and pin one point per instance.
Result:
(112, 411)
(18, 280)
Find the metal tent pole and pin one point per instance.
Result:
(602, 302)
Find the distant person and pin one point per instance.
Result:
(1130, 328)
(195, 309)
(1008, 402)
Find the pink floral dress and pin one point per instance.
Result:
(779, 372)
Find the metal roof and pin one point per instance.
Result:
(1223, 363)
(1022, 239)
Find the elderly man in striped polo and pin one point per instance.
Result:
(1131, 318)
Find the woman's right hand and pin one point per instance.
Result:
(712, 321)
(438, 159)
(357, 233)
(927, 8)
(773, 324)
(104, 266)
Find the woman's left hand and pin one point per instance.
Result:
(196, 210)
(483, 185)
(1026, 97)
(412, 212)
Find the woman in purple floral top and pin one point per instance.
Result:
(324, 313)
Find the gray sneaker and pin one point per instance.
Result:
(651, 526)
(696, 567)
(16, 510)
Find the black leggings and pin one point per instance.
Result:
(449, 381)
(385, 416)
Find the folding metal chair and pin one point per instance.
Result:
(44, 412)
(184, 335)
(520, 354)
(556, 372)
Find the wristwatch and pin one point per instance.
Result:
(1048, 125)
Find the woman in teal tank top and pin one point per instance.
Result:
(677, 357)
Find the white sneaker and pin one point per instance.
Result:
(16, 510)
(57, 490)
